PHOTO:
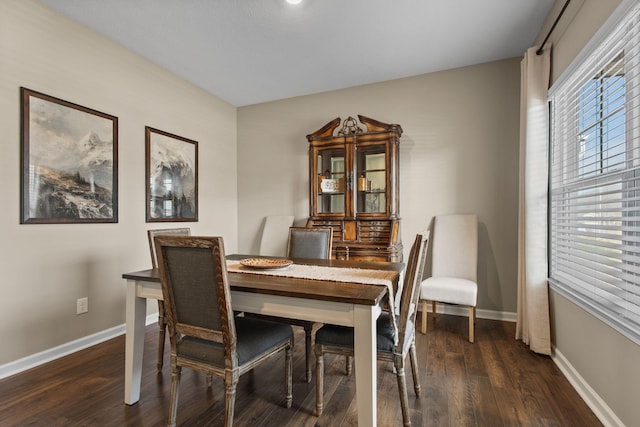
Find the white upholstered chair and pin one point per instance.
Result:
(275, 235)
(454, 266)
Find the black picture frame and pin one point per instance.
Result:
(69, 162)
(171, 177)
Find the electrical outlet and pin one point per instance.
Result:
(82, 305)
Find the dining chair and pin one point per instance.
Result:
(313, 243)
(309, 243)
(274, 235)
(162, 324)
(393, 343)
(204, 334)
(454, 267)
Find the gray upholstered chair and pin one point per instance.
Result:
(390, 347)
(313, 243)
(162, 324)
(204, 333)
(454, 267)
(305, 243)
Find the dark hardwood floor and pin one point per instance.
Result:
(495, 382)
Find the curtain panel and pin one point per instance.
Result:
(533, 325)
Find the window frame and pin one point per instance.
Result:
(593, 59)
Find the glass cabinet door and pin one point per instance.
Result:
(371, 195)
(331, 181)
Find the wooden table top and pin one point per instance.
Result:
(352, 293)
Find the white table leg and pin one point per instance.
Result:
(365, 361)
(134, 344)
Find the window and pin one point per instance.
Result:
(601, 121)
(594, 219)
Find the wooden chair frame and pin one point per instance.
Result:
(406, 336)
(225, 335)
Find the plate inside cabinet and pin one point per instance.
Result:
(266, 263)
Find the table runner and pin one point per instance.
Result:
(317, 272)
(334, 274)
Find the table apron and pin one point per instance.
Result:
(149, 290)
(336, 313)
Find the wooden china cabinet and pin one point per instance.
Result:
(354, 187)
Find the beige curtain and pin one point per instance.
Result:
(533, 291)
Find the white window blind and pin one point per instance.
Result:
(595, 179)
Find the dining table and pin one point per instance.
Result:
(339, 292)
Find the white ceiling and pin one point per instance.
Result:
(252, 51)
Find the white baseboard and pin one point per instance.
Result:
(591, 398)
(458, 310)
(21, 365)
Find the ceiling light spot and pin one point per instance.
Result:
(294, 1)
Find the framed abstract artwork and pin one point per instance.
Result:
(69, 162)
(171, 177)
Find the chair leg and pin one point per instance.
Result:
(472, 318)
(289, 373)
(173, 400)
(319, 381)
(424, 316)
(402, 389)
(308, 326)
(414, 367)
(230, 383)
(348, 365)
(162, 327)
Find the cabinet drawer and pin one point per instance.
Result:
(335, 225)
(378, 254)
(374, 231)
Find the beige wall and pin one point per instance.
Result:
(45, 268)
(458, 153)
(606, 360)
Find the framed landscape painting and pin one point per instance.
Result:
(69, 162)
(171, 177)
